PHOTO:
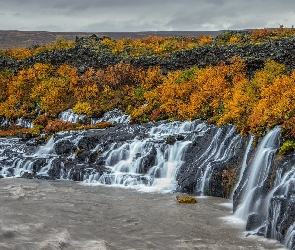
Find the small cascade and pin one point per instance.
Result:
(4, 122)
(245, 160)
(46, 149)
(220, 149)
(25, 123)
(167, 169)
(69, 116)
(281, 204)
(254, 188)
(148, 163)
(115, 116)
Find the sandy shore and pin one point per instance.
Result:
(36, 214)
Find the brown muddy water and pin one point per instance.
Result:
(37, 214)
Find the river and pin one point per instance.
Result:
(49, 215)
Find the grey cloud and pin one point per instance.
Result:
(140, 15)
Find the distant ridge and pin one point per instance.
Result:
(23, 39)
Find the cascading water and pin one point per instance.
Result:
(220, 149)
(25, 123)
(115, 116)
(253, 185)
(148, 164)
(147, 157)
(265, 195)
(187, 156)
(281, 203)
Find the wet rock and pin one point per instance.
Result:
(179, 137)
(11, 170)
(25, 136)
(38, 164)
(143, 136)
(82, 155)
(148, 161)
(43, 177)
(64, 147)
(170, 140)
(1, 176)
(88, 142)
(56, 169)
(253, 221)
(197, 158)
(31, 142)
(27, 175)
(93, 156)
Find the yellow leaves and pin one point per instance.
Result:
(205, 40)
(277, 102)
(61, 43)
(82, 108)
(18, 53)
(108, 42)
(233, 39)
(150, 78)
(221, 94)
(107, 92)
(267, 75)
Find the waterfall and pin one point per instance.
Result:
(253, 198)
(148, 164)
(281, 203)
(169, 156)
(220, 149)
(69, 116)
(25, 123)
(115, 116)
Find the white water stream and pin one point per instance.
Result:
(259, 171)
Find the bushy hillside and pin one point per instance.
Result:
(243, 78)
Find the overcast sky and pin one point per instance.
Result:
(144, 15)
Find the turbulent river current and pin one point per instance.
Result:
(127, 178)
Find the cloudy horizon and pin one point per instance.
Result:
(139, 15)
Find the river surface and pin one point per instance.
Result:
(49, 215)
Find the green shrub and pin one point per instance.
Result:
(287, 147)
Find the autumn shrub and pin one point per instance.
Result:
(83, 108)
(99, 125)
(41, 120)
(59, 125)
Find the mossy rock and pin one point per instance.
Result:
(186, 199)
